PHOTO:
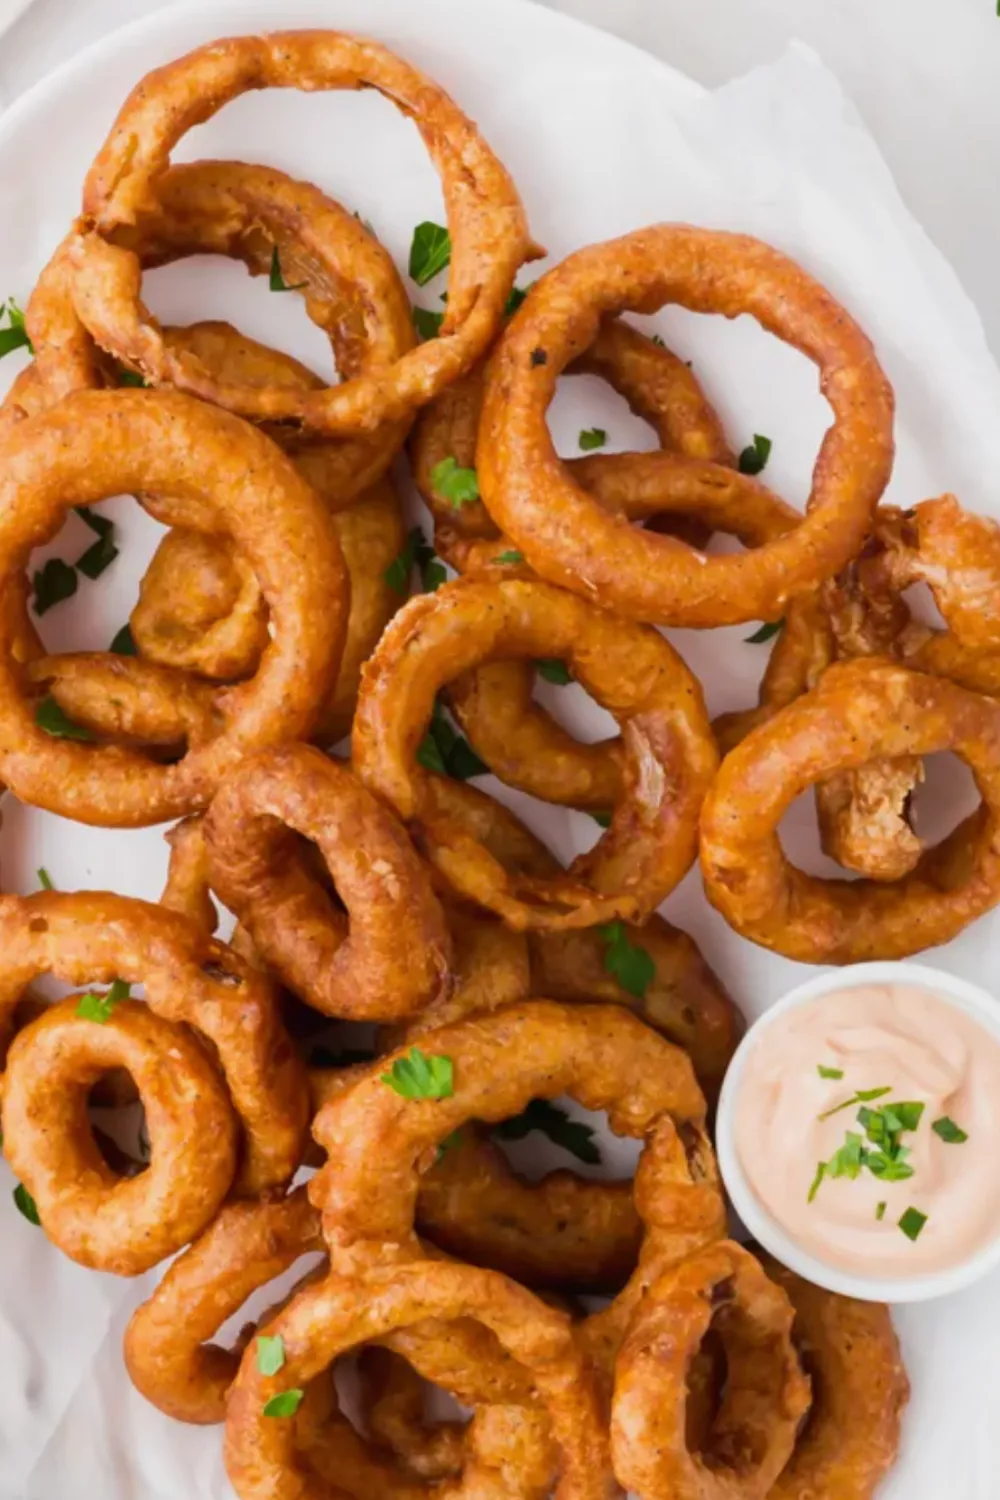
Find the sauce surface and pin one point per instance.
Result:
(860, 1193)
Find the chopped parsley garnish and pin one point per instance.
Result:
(517, 296)
(270, 1353)
(427, 323)
(130, 377)
(96, 1007)
(54, 582)
(912, 1223)
(452, 483)
(430, 252)
(418, 1076)
(444, 750)
(950, 1133)
(603, 818)
(754, 458)
(880, 1209)
(510, 556)
(285, 1404)
(884, 1155)
(626, 961)
(416, 552)
(26, 1204)
(863, 1096)
(654, 338)
(50, 717)
(98, 556)
(765, 633)
(15, 335)
(592, 437)
(572, 1135)
(825, 1072)
(553, 671)
(44, 879)
(276, 281)
(124, 642)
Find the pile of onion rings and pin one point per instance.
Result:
(310, 730)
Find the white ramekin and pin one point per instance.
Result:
(978, 1003)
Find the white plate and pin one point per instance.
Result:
(601, 139)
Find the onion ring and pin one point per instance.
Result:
(861, 710)
(167, 1350)
(658, 386)
(765, 1397)
(850, 1350)
(568, 539)
(128, 701)
(327, 1320)
(485, 218)
(200, 607)
(957, 554)
(393, 1399)
(353, 293)
(93, 1214)
(517, 738)
(602, 1056)
(96, 444)
(188, 977)
(684, 1001)
(669, 750)
(393, 953)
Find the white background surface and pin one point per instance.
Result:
(600, 140)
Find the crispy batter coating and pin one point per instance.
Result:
(669, 753)
(200, 607)
(351, 289)
(392, 952)
(765, 1397)
(393, 1395)
(518, 738)
(570, 540)
(957, 554)
(327, 1320)
(685, 1001)
(96, 444)
(485, 219)
(601, 1056)
(657, 385)
(95, 937)
(168, 1350)
(96, 1216)
(860, 1389)
(130, 702)
(860, 711)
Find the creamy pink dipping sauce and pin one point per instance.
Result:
(925, 1051)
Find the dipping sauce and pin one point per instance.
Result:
(867, 1122)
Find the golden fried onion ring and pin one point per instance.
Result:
(600, 1055)
(669, 752)
(392, 953)
(765, 1397)
(485, 219)
(328, 1319)
(95, 1216)
(570, 540)
(96, 444)
(850, 1351)
(860, 711)
(95, 937)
